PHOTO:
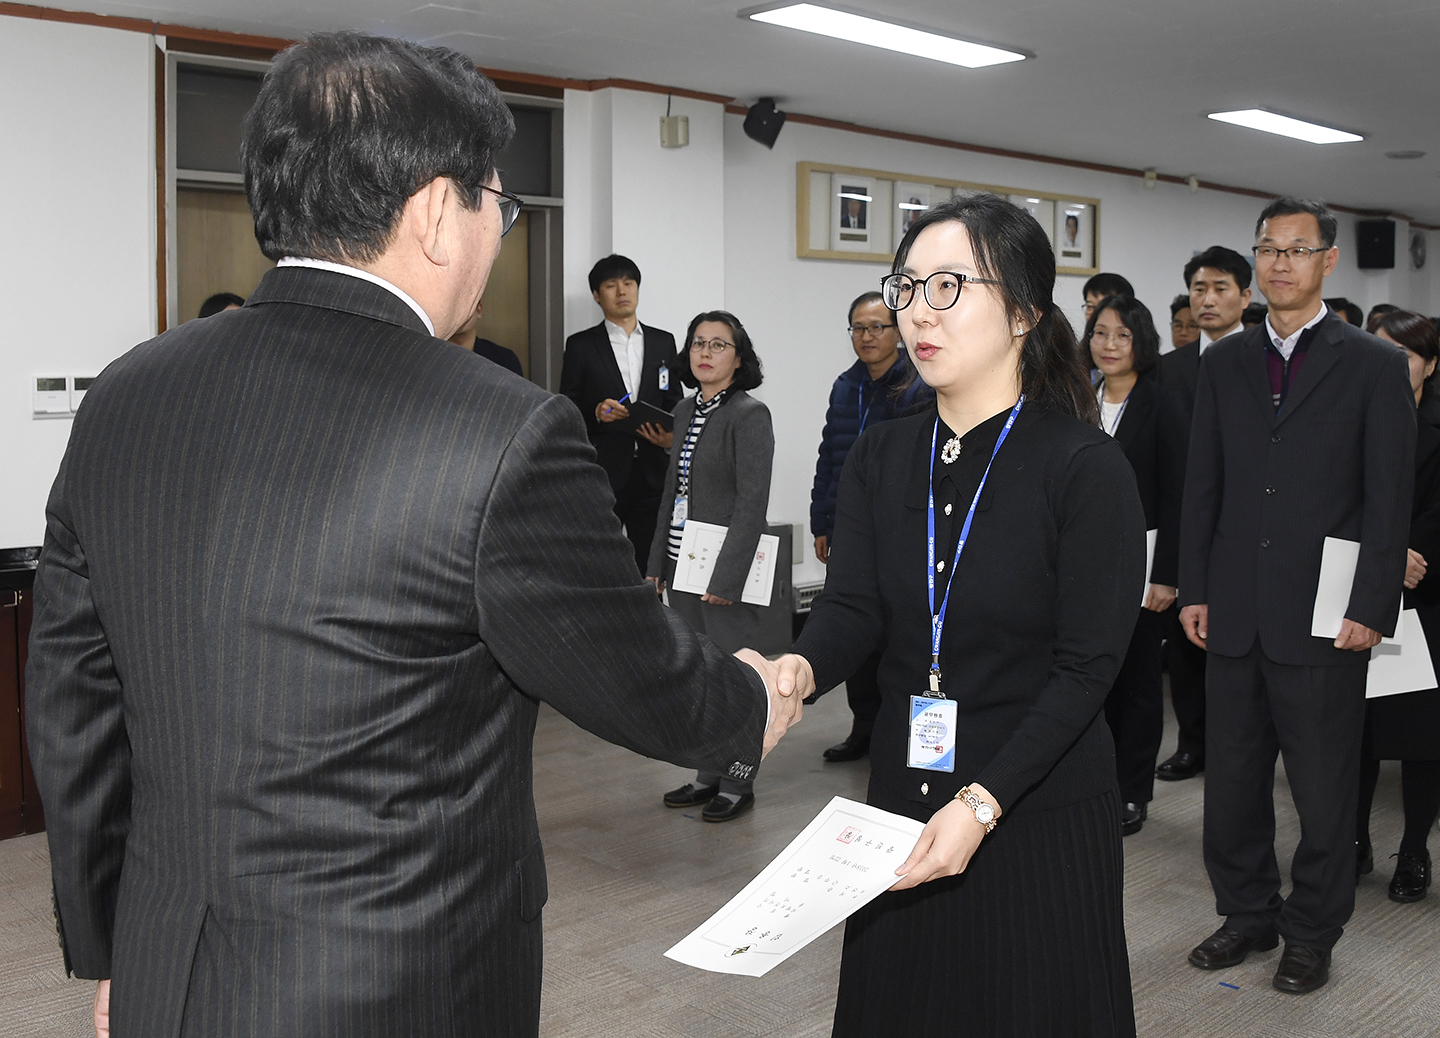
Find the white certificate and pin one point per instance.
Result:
(1332, 597)
(1403, 665)
(841, 862)
(1151, 536)
(700, 545)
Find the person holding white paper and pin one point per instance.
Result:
(994, 549)
(719, 473)
(1406, 727)
(1125, 348)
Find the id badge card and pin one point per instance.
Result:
(680, 512)
(664, 377)
(932, 733)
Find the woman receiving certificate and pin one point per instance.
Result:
(993, 548)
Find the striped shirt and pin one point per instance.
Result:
(703, 410)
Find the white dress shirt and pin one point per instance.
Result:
(1206, 341)
(363, 275)
(629, 354)
(1286, 346)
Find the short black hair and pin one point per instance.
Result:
(1134, 315)
(1217, 257)
(748, 375)
(613, 266)
(348, 126)
(1288, 206)
(1106, 284)
(860, 300)
(1180, 302)
(1254, 314)
(219, 301)
(1351, 313)
(1379, 310)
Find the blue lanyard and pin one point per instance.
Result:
(860, 400)
(1100, 394)
(937, 617)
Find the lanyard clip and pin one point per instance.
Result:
(935, 676)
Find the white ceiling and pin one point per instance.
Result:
(1122, 82)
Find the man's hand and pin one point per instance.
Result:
(102, 1009)
(656, 435)
(946, 844)
(1196, 621)
(822, 548)
(715, 599)
(610, 410)
(788, 680)
(1415, 566)
(1356, 637)
(1160, 598)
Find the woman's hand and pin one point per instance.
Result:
(715, 599)
(655, 434)
(1160, 598)
(659, 584)
(1415, 566)
(946, 844)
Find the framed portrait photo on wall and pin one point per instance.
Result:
(1074, 236)
(857, 224)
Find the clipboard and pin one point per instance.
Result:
(642, 413)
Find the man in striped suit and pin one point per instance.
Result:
(308, 572)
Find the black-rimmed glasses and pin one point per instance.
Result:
(509, 208)
(860, 331)
(941, 289)
(1270, 252)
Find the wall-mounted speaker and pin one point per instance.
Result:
(1375, 244)
(763, 122)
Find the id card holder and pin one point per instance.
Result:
(664, 377)
(681, 511)
(932, 733)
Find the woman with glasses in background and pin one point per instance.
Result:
(719, 473)
(1124, 348)
(993, 548)
(879, 386)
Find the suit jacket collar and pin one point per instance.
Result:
(1139, 407)
(1322, 355)
(310, 286)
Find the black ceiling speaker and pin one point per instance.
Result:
(763, 122)
(1375, 244)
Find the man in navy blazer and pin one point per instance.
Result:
(1304, 429)
(614, 363)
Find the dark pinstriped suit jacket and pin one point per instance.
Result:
(308, 573)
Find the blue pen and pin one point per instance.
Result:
(620, 401)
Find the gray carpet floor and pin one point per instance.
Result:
(628, 878)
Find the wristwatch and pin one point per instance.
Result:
(984, 813)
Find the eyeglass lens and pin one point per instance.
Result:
(713, 345)
(941, 290)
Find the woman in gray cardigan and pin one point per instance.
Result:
(719, 473)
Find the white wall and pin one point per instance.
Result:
(77, 201)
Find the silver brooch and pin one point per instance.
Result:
(951, 450)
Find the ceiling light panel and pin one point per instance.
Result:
(858, 28)
(1259, 119)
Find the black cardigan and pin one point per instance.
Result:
(1044, 602)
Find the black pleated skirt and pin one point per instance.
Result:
(1029, 941)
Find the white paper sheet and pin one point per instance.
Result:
(1150, 538)
(1332, 597)
(700, 545)
(1402, 666)
(839, 863)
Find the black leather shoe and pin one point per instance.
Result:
(722, 809)
(1132, 817)
(853, 748)
(690, 795)
(1302, 970)
(1227, 947)
(1412, 878)
(1180, 766)
(1364, 860)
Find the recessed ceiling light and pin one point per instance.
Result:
(1410, 154)
(1259, 119)
(859, 28)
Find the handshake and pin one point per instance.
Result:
(788, 680)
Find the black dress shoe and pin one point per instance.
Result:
(1227, 947)
(1302, 969)
(689, 795)
(853, 748)
(1181, 766)
(722, 809)
(1412, 878)
(1132, 817)
(1364, 860)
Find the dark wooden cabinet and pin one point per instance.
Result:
(20, 810)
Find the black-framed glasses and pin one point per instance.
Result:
(509, 208)
(1270, 252)
(715, 346)
(859, 331)
(941, 289)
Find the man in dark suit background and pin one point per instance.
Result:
(291, 630)
(1304, 429)
(619, 361)
(1218, 281)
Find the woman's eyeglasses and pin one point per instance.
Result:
(715, 346)
(941, 289)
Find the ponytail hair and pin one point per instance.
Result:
(1012, 248)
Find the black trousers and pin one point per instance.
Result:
(1186, 662)
(1135, 710)
(1314, 717)
(637, 504)
(862, 691)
